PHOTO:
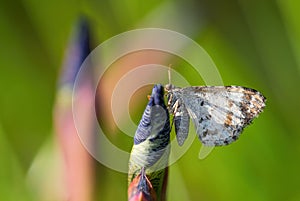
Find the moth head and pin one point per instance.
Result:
(169, 87)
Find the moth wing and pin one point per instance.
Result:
(221, 113)
(181, 123)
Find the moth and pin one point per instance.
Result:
(219, 113)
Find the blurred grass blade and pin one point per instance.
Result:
(12, 178)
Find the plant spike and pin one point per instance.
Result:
(151, 147)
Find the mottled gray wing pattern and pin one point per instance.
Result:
(181, 119)
(220, 113)
(182, 124)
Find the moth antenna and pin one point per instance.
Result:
(169, 73)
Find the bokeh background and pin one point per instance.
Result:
(253, 43)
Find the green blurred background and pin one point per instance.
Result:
(253, 43)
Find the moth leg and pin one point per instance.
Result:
(170, 98)
(174, 111)
(175, 107)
